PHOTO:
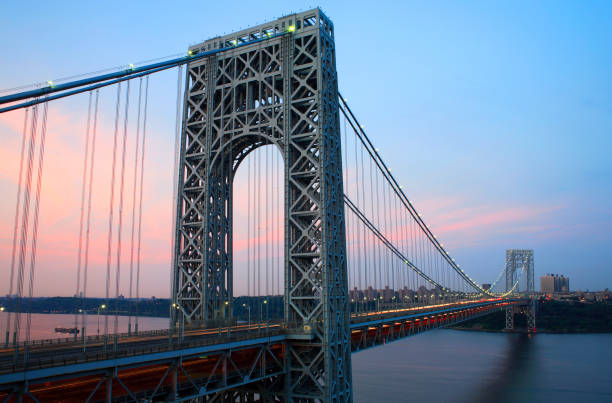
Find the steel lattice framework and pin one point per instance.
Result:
(280, 92)
(520, 262)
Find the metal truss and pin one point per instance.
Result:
(282, 92)
(518, 260)
(386, 330)
(192, 376)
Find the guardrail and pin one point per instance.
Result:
(25, 363)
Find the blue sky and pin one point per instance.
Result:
(495, 116)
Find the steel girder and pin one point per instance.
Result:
(282, 92)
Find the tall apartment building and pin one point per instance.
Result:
(551, 283)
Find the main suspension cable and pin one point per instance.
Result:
(346, 111)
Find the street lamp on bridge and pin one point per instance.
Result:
(103, 306)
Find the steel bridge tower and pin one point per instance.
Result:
(281, 90)
(519, 263)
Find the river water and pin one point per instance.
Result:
(43, 325)
(460, 366)
(447, 365)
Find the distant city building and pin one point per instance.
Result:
(486, 286)
(554, 283)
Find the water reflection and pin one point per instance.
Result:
(512, 369)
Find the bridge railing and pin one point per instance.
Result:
(93, 338)
(23, 362)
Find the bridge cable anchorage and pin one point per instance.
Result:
(142, 159)
(92, 83)
(88, 219)
(391, 180)
(120, 223)
(111, 211)
(16, 222)
(133, 217)
(25, 216)
(77, 287)
(39, 177)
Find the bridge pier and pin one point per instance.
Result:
(282, 92)
(528, 310)
(519, 263)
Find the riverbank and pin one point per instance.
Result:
(556, 317)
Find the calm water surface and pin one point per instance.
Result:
(43, 325)
(447, 365)
(458, 366)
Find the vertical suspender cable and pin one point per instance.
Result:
(375, 265)
(266, 228)
(142, 157)
(83, 188)
(378, 224)
(358, 236)
(279, 244)
(175, 202)
(400, 245)
(363, 200)
(271, 228)
(87, 227)
(25, 216)
(41, 157)
(230, 184)
(345, 189)
(16, 223)
(121, 187)
(134, 186)
(248, 230)
(110, 216)
(257, 226)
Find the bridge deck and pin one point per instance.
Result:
(202, 361)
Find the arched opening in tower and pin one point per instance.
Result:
(258, 236)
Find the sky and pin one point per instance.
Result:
(496, 117)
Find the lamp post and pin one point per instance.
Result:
(267, 310)
(249, 309)
(103, 306)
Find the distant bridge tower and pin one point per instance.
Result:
(519, 266)
(280, 91)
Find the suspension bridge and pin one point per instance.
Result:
(337, 258)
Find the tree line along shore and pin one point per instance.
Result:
(552, 317)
